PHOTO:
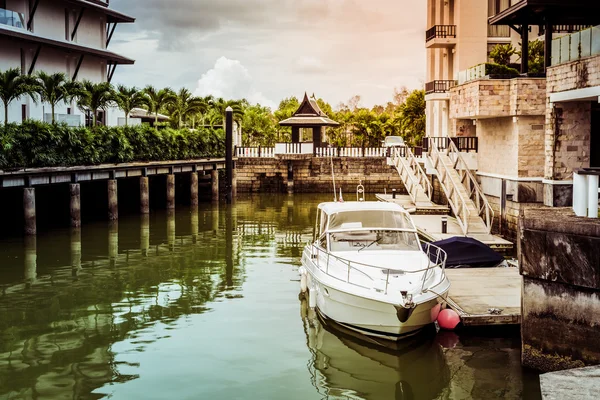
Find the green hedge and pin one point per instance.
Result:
(497, 69)
(38, 144)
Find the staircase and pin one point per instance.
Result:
(414, 178)
(466, 199)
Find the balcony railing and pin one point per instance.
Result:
(462, 143)
(12, 18)
(569, 28)
(439, 86)
(576, 46)
(440, 32)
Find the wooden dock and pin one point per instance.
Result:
(486, 296)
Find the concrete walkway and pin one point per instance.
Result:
(573, 384)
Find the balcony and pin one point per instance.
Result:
(441, 36)
(12, 18)
(576, 46)
(439, 86)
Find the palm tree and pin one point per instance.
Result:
(156, 100)
(185, 105)
(54, 89)
(12, 86)
(94, 97)
(129, 98)
(237, 105)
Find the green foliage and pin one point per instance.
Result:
(38, 144)
(92, 97)
(129, 98)
(496, 69)
(158, 99)
(502, 53)
(535, 56)
(260, 126)
(12, 86)
(54, 89)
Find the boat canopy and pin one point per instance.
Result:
(365, 216)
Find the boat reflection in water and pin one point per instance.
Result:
(346, 364)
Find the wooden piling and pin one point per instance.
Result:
(194, 189)
(145, 235)
(170, 192)
(214, 176)
(30, 259)
(113, 242)
(75, 250)
(171, 229)
(75, 204)
(29, 211)
(113, 200)
(144, 195)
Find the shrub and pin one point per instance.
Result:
(496, 69)
(38, 144)
(502, 53)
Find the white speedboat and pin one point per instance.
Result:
(367, 270)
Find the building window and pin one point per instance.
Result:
(496, 7)
(69, 110)
(67, 25)
(23, 112)
(23, 62)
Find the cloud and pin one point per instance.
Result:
(229, 79)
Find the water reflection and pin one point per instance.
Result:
(348, 366)
(202, 303)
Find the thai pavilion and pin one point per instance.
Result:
(309, 116)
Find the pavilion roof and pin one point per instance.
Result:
(309, 114)
(556, 12)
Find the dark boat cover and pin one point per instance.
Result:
(465, 252)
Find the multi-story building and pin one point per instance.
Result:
(458, 37)
(69, 36)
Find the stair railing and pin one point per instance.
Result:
(476, 194)
(422, 178)
(457, 202)
(401, 164)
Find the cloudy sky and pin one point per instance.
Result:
(265, 50)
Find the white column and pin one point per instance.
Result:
(592, 183)
(580, 195)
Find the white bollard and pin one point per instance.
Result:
(592, 200)
(580, 195)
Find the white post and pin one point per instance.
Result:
(580, 195)
(592, 183)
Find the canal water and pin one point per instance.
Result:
(204, 305)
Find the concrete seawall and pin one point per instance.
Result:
(560, 263)
(308, 174)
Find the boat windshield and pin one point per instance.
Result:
(373, 240)
(370, 219)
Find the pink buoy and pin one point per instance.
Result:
(448, 319)
(435, 311)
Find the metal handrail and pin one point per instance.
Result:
(440, 261)
(418, 176)
(483, 206)
(419, 173)
(457, 209)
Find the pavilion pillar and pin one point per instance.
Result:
(317, 136)
(525, 49)
(295, 134)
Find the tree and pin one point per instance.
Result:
(157, 100)
(95, 96)
(412, 117)
(12, 86)
(129, 98)
(259, 126)
(400, 95)
(185, 105)
(54, 89)
(502, 53)
(354, 103)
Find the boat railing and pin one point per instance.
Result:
(436, 258)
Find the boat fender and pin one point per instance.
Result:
(435, 312)
(403, 314)
(303, 283)
(312, 298)
(448, 319)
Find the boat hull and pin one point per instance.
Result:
(368, 316)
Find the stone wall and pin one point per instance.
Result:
(559, 258)
(495, 98)
(567, 139)
(307, 174)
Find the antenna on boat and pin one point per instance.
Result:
(332, 175)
